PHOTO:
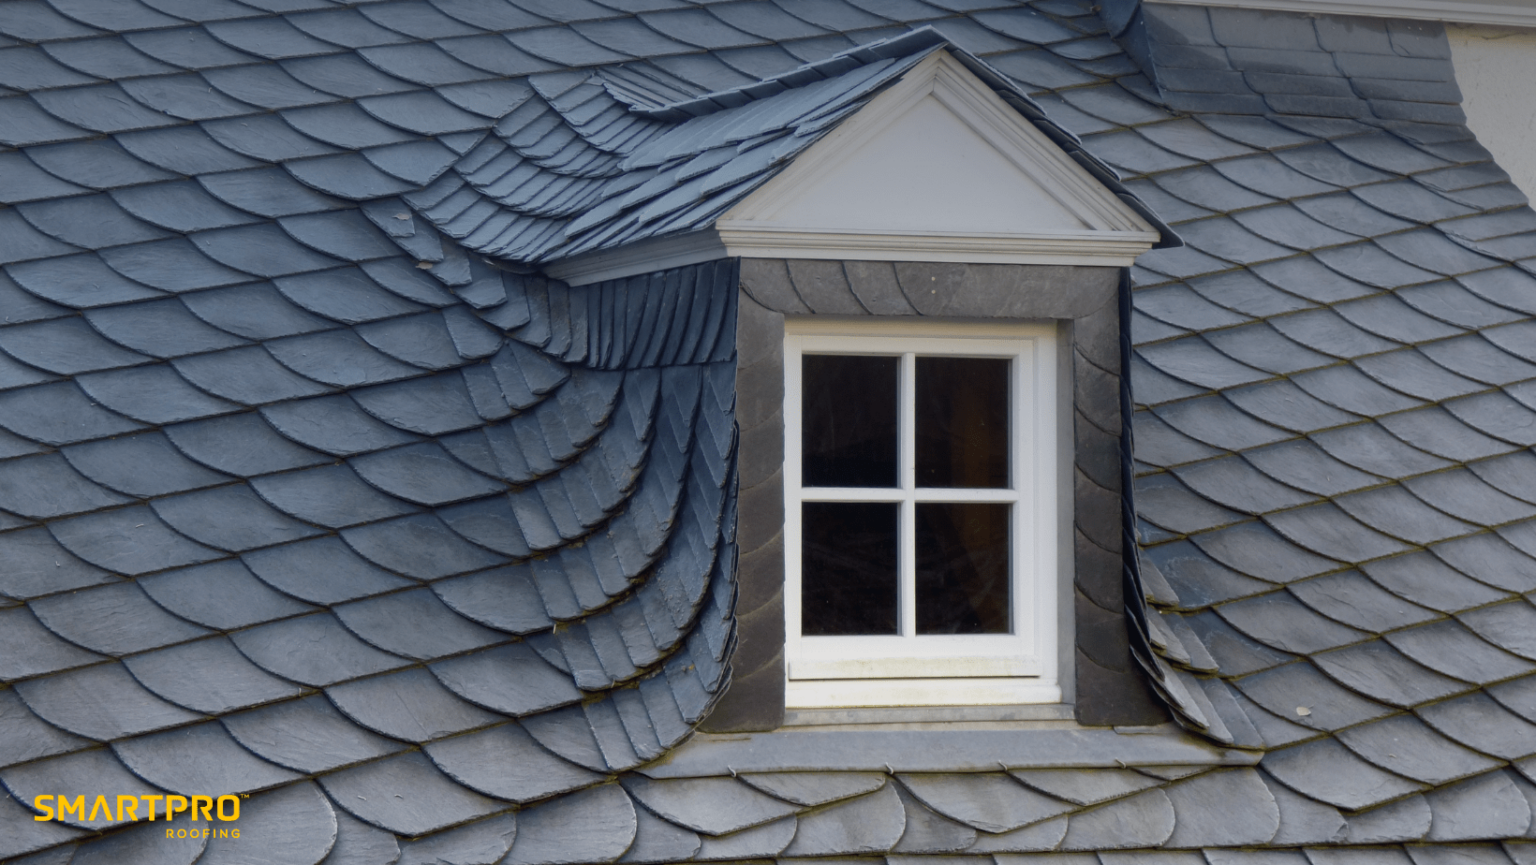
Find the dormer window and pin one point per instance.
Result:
(920, 522)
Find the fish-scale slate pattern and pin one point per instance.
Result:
(300, 498)
(291, 506)
(1332, 439)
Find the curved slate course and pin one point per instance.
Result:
(313, 490)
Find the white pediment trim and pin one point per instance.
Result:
(936, 168)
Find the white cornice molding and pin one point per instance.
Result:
(1514, 13)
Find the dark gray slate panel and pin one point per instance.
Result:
(307, 734)
(714, 806)
(101, 702)
(406, 795)
(201, 759)
(868, 824)
(592, 826)
(208, 676)
(507, 763)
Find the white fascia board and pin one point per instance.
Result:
(1513, 13)
(834, 202)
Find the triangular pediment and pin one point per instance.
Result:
(938, 167)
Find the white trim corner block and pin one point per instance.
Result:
(936, 168)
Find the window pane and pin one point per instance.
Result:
(848, 568)
(962, 568)
(849, 421)
(962, 422)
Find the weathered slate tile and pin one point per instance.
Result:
(815, 788)
(872, 823)
(713, 806)
(307, 734)
(28, 737)
(1488, 806)
(315, 650)
(95, 774)
(201, 759)
(409, 705)
(511, 679)
(298, 815)
(1326, 771)
(357, 843)
(596, 825)
(115, 619)
(1404, 745)
(222, 595)
(1143, 820)
(101, 702)
(208, 676)
(141, 843)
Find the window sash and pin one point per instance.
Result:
(823, 670)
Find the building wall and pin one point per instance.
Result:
(1496, 68)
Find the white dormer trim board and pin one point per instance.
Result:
(936, 168)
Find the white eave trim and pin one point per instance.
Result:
(1093, 249)
(1514, 13)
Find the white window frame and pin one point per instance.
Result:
(934, 670)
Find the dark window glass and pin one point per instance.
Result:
(849, 421)
(962, 568)
(848, 568)
(962, 422)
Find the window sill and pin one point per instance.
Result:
(896, 693)
(873, 717)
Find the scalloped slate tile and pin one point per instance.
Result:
(597, 825)
(29, 649)
(419, 546)
(307, 734)
(424, 474)
(101, 702)
(1451, 648)
(1483, 725)
(315, 650)
(511, 679)
(415, 624)
(357, 843)
(1488, 806)
(254, 311)
(505, 762)
(1326, 771)
(208, 676)
(298, 815)
(87, 772)
(201, 759)
(115, 619)
(322, 570)
(67, 346)
(713, 806)
(426, 800)
(241, 445)
(47, 486)
(1382, 673)
(1403, 744)
(129, 540)
(332, 496)
(37, 565)
(221, 595)
(162, 329)
(1143, 820)
(409, 705)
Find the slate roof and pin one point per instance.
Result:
(301, 498)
